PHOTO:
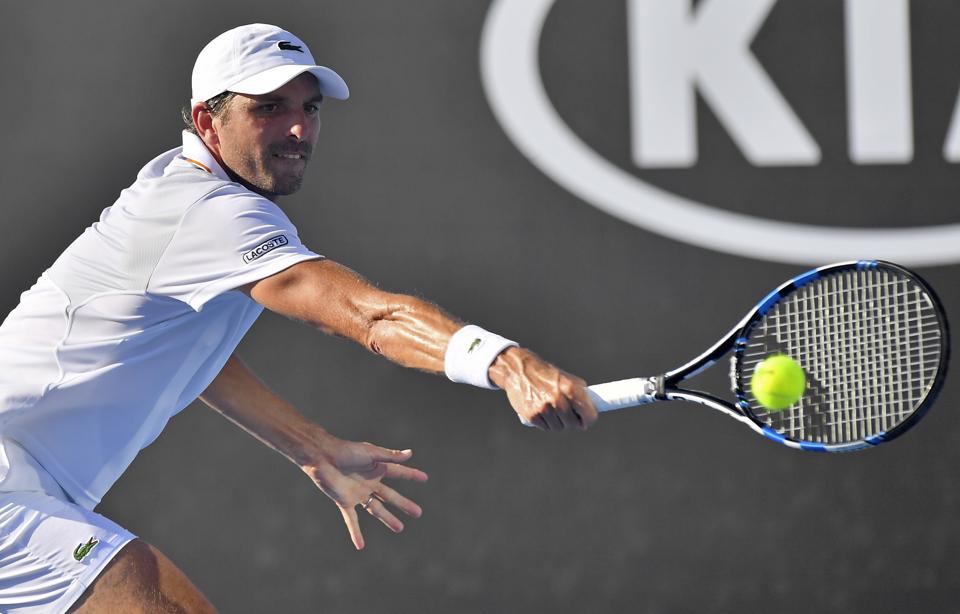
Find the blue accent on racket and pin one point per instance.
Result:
(842, 323)
(769, 301)
(772, 434)
(801, 280)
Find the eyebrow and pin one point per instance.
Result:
(273, 98)
(262, 98)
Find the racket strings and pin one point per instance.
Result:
(870, 343)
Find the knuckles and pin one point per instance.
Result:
(554, 401)
(588, 420)
(567, 387)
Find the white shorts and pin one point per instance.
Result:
(51, 550)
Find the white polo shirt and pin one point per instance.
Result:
(136, 318)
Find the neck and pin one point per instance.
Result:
(214, 149)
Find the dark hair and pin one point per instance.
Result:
(217, 106)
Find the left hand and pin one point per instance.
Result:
(352, 473)
(542, 395)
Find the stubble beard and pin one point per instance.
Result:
(269, 183)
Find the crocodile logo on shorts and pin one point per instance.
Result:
(81, 551)
(476, 343)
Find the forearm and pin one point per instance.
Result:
(410, 332)
(416, 333)
(348, 472)
(329, 296)
(242, 398)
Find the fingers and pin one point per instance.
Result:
(375, 505)
(583, 405)
(353, 526)
(545, 397)
(566, 406)
(405, 473)
(385, 460)
(376, 500)
(564, 412)
(554, 418)
(388, 495)
(386, 455)
(353, 476)
(543, 419)
(378, 510)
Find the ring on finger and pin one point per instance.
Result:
(370, 499)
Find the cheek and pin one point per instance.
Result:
(245, 156)
(252, 145)
(313, 128)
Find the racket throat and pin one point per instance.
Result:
(656, 387)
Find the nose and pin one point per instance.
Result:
(297, 128)
(301, 126)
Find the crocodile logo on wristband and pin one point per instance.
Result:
(476, 343)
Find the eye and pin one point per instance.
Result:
(269, 107)
(312, 109)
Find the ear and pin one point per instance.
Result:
(203, 122)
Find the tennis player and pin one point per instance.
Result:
(142, 313)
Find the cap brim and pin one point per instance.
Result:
(331, 84)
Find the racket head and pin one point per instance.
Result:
(873, 341)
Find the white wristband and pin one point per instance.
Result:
(470, 353)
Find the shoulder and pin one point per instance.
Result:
(228, 212)
(202, 193)
(229, 200)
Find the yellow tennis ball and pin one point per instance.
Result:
(778, 382)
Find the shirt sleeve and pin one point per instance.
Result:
(224, 241)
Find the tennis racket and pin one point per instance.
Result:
(872, 339)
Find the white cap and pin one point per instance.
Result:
(258, 59)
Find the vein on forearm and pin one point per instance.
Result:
(337, 300)
(410, 331)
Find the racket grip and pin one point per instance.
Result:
(622, 394)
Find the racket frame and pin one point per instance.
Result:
(638, 391)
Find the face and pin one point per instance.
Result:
(266, 141)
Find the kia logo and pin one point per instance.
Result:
(677, 51)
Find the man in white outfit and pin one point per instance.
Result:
(141, 314)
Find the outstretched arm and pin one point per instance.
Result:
(348, 472)
(415, 333)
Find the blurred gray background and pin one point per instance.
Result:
(671, 508)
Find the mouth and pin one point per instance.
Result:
(291, 156)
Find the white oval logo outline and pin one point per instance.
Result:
(509, 69)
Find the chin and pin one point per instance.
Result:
(275, 188)
(287, 190)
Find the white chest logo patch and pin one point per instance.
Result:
(263, 248)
